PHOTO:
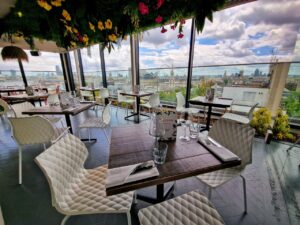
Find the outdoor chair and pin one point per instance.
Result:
(154, 102)
(190, 208)
(238, 138)
(103, 123)
(86, 95)
(74, 189)
(123, 99)
(32, 130)
(239, 118)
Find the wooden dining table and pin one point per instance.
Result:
(25, 97)
(137, 95)
(133, 144)
(216, 102)
(57, 110)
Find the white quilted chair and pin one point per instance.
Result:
(154, 102)
(102, 123)
(1, 217)
(125, 100)
(239, 118)
(29, 131)
(192, 208)
(21, 107)
(238, 138)
(86, 95)
(74, 189)
(53, 99)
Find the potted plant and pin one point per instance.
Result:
(281, 127)
(261, 121)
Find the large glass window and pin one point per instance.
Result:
(118, 67)
(164, 60)
(44, 71)
(92, 66)
(10, 75)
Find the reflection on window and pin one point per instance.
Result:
(118, 68)
(163, 62)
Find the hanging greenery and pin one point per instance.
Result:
(79, 23)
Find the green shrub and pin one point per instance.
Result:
(261, 121)
(281, 128)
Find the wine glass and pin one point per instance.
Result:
(184, 123)
(156, 128)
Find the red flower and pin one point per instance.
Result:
(159, 3)
(180, 35)
(163, 30)
(143, 8)
(182, 21)
(158, 19)
(173, 27)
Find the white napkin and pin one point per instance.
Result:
(121, 175)
(218, 150)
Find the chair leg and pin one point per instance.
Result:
(63, 222)
(20, 165)
(128, 218)
(245, 194)
(117, 108)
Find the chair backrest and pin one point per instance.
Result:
(104, 93)
(106, 114)
(4, 107)
(31, 130)
(250, 113)
(180, 100)
(121, 98)
(86, 94)
(21, 107)
(236, 137)
(154, 100)
(61, 163)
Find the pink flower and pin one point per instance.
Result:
(159, 3)
(173, 27)
(143, 8)
(182, 21)
(163, 30)
(180, 35)
(158, 19)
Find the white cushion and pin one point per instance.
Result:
(189, 209)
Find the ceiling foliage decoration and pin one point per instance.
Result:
(79, 23)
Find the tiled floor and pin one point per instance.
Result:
(30, 203)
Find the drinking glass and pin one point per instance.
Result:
(194, 130)
(160, 153)
(184, 123)
(156, 129)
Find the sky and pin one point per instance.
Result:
(252, 33)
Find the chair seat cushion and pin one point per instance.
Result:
(86, 195)
(235, 117)
(219, 177)
(92, 123)
(192, 208)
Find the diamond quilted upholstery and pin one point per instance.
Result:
(74, 189)
(189, 209)
(238, 138)
(92, 123)
(32, 130)
(236, 117)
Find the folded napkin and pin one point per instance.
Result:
(122, 175)
(218, 150)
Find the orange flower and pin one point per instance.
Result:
(112, 37)
(44, 4)
(66, 15)
(108, 24)
(100, 25)
(56, 3)
(69, 29)
(92, 27)
(75, 30)
(85, 39)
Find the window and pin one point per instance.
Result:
(164, 61)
